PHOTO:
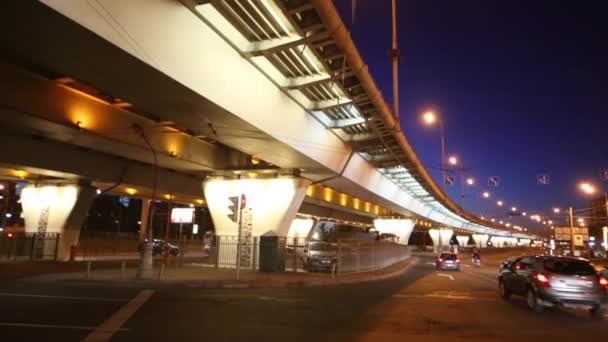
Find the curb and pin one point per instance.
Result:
(231, 284)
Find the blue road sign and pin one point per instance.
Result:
(450, 180)
(604, 175)
(543, 179)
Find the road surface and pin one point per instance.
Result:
(422, 305)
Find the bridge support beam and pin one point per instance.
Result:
(441, 238)
(401, 228)
(463, 240)
(481, 240)
(271, 205)
(59, 209)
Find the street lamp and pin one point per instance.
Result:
(556, 210)
(470, 181)
(587, 188)
(430, 118)
(453, 160)
(513, 208)
(499, 203)
(486, 194)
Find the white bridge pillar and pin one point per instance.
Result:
(441, 238)
(402, 228)
(462, 240)
(272, 203)
(481, 240)
(59, 209)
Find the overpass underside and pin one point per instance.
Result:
(178, 94)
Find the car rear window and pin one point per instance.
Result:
(569, 267)
(448, 256)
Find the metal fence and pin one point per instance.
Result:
(302, 255)
(29, 246)
(287, 254)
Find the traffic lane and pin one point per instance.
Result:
(437, 309)
(47, 311)
(281, 314)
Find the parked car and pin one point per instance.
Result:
(320, 256)
(548, 281)
(447, 261)
(160, 246)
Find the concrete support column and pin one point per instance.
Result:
(462, 240)
(401, 228)
(481, 240)
(59, 209)
(270, 209)
(440, 235)
(300, 227)
(144, 219)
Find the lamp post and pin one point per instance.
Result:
(430, 118)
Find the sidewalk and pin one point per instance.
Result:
(205, 277)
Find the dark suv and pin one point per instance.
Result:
(548, 281)
(159, 247)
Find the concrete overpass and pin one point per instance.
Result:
(240, 95)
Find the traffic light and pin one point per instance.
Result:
(234, 208)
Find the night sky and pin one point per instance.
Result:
(521, 86)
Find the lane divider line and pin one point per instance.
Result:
(49, 326)
(107, 329)
(63, 297)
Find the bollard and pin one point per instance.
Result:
(88, 274)
(122, 269)
(161, 272)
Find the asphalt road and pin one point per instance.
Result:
(422, 305)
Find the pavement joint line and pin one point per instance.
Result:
(63, 297)
(50, 326)
(107, 329)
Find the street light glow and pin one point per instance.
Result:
(514, 209)
(453, 160)
(429, 117)
(556, 210)
(470, 181)
(587, 188)
(486, 194)
(499, 203)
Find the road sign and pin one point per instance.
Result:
(543, 179)
(450, 180)
(493, 181)
(563, 233)
(604, 175)
(182, 215)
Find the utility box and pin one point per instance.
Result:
(272, 253)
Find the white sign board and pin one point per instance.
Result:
(195, 229)
(182, 215)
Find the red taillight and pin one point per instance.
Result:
(440, 260)
(10, 235)
(457, 260)
(603, 282)
(542, 279)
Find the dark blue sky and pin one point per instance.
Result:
(521, 85)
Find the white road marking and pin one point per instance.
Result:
(49, 326)
(431, 263)
(466, 265)
(63, 297)
(444, 296)
(446, 275)
(107, 329)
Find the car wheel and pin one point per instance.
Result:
(532, 301)
(598, 311)
(504, 292)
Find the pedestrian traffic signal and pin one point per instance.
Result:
(234, 208)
